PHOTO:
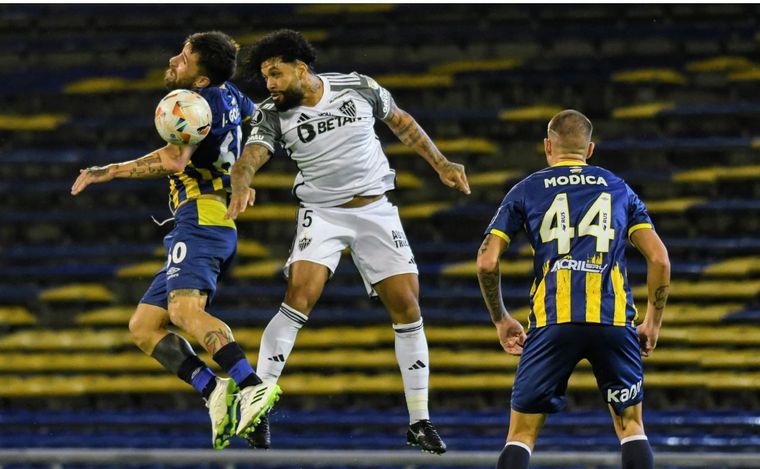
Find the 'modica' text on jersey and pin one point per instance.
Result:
(209, 167)
(577, 219)
(333, 143)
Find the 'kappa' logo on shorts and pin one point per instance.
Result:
(623, 395)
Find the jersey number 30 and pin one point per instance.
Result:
(556, 223)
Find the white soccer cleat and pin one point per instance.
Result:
(222, 410)
(255, 401)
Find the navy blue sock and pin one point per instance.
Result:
(514, 456)
(637, 454)
(194, 372)
(232, 360)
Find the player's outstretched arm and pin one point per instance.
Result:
(658, 283)
(509, 330)
(162, 162)
(241, 177)
(412, 135)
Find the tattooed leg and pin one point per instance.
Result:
(187, 311)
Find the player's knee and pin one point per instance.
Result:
(405, 314)
(302, 296)
(141, 331)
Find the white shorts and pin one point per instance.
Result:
(374, 234)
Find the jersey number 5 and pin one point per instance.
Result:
(556, 223)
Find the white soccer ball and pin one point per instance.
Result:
(183, 117)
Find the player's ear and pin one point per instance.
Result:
(201, 82)
(590, 150)
(547, 147)
(301, 69)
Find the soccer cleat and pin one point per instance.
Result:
(255, 401)
(259, 437)
(222, 410)
(424, 435)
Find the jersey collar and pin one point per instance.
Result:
(325, 93)
(570, 163)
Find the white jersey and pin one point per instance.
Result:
(334, 144)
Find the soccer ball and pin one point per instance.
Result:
(183, 117)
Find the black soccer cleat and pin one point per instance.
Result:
(260, 437)
(424, 435)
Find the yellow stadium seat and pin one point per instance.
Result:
(270, 212)
(511, 268)
(747, 289)
(140, 270)
(673, 205)
(714, 174)
(407, 180)
(33, 123)
(530, 113)
(476, 65)
(111, 316)
(739, 266)
(65, 339)
(493, 178)
(726, 63)
(311, 35)
(337, 8)
(415, 80)
(77, 292)
(422, 210)
(16, 316)
(459, 145)
(655, 75)
(152, 80)
(251, 248)
(642, 111)
(689, 313)
(262, 269)
(745, 75)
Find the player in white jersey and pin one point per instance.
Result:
(325, 123)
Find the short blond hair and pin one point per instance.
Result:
(570, 131)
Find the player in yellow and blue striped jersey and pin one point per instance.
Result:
(578, 219)
(202, 244)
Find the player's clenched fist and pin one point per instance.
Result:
(453, 175)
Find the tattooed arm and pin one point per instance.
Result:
(241, 177)
(510, 332)
(658, 283)
(162, 162)
(412, 135)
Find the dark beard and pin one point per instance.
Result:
(290, 99)
(176, 85)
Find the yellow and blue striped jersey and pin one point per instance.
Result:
(209, 167)
(577, 219)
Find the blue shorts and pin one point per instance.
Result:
(199, 249)
(551, 353)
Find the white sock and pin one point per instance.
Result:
(277, 342)
(414, 362)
